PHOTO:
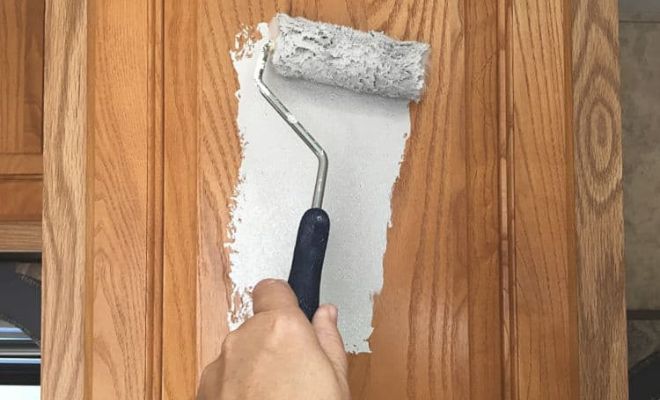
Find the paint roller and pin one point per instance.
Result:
(364, 62)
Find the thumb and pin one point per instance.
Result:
(325, 327)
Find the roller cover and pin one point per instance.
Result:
(365, 62)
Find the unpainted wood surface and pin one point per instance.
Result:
(506, 175)
(219, 159)
(484, 201)
(118, 123)
(20, 236)
(545, 320)
(21, 75)
(21, 87)
(180, 218)
(66, 317)
(20, 198)
(154, 298)
(100, 153)
(21, 164)
(599, 219)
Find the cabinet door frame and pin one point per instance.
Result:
(102, 248)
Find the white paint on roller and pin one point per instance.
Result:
(366, 62)
(364, 137)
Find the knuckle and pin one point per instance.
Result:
(288, 323)
(268, 285)
(229, 344)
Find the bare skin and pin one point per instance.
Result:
(278, 354)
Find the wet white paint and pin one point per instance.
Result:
(364, 137)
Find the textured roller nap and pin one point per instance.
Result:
(367, 62)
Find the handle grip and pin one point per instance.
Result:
(308, 255)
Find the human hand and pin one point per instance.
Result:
(278, 355)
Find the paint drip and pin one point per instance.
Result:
(364, 137)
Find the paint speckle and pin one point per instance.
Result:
(244, 42)
(364, 137)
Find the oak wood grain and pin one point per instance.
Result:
(118, 123)
(21, 75)
(599, 219)
(21, 95)
(219, 159)
(426, 270)
(180, 207)
(102, 186)
(66, 310)
(20, 198)
(483, 149)
(154, 339)
(506, 180)
(21, 236)
(21, 164)
(544, 273)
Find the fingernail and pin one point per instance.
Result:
(268, 282)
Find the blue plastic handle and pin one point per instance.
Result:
(308, 255)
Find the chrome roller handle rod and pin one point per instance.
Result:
(303, 134)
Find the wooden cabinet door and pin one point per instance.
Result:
(502, 277)
(21, 104)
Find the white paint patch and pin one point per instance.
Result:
(364, 137)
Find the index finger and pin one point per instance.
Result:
(272, 294)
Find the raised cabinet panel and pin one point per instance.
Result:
(21, 75)
(445, 204)
(21, 105)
